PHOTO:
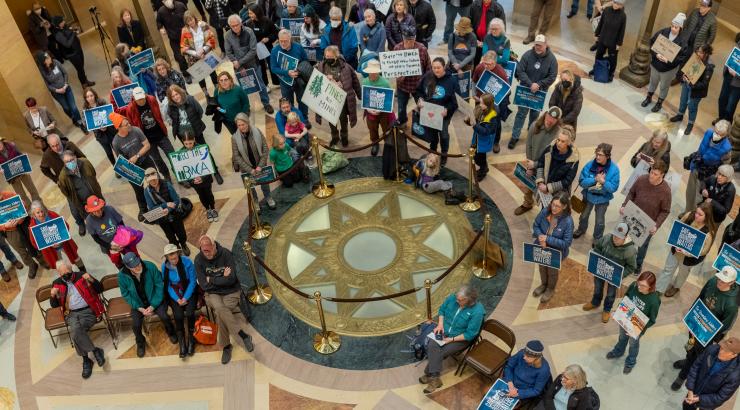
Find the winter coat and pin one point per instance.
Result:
(599, 195)
(624, 254)
(558, 178)
(533, 68)
(393, 28)
(271, 9)
(700, 88)
(50, 254)
(153, 286)
(187, 42)
(210, 272)
(529, 380)
(171, 275)
(569, 101)
(132, 35)
(465, 321)
(37, 30)
(713, 389)
(56, 77)
(264, 29)
(158, 198)
(239, 153)
(131, 112)
(163, 83)
(425, 20)
(539, 138)
(461, 49)
(68, 43)
(172, 19)
(51, 162)
(65, 184)
(560, 238)
(242, 47)
(707, 32)
(711, 154)
(350, 83)
(90, 292)
(580, 399)
(495, 9)
(610, 30)
(663, 153)
(723, 196)
(680, 58)
(723, 305)
(372, 39)
(443, 94)
(295, 51)
(195, 116)
(484, 132)
(501, 45)
(349, 44)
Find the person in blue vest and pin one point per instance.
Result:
(286, 46)
(340, 34)
(599, 180)
(527, 374)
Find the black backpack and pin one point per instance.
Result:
(420, 341)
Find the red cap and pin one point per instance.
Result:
(94, 204)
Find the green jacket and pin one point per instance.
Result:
(153, 286)
(722, 304)
(466, 321)
(649, 304)
(624, 255)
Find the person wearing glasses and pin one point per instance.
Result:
(599, 180)
(553, 228)
(161, 194)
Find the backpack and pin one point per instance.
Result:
(601, 71)
(420, 341)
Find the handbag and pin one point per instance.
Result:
(687, 160)
(206, 332)
(416, 128)
(601, 70)
(184, 209)
(577, 203)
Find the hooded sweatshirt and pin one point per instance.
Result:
(211, 272)
(649, 304)
(540, 69)
(722, 304)
(623, 254)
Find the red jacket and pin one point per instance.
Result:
(50, 254)
(131, 112)
(90, 293)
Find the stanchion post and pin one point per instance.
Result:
(326, 341)
(481, 269)
(322, 189)
(471, 203)
(259, 230)
(395, 148)
(428, 289)
(258, 294)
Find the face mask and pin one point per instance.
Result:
(332, 61)
(566, 84)
(716, 137)
(67, 277)
(335, 24)
(169, 4)
(72, 165)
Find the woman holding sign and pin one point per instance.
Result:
(662, 69)
(196, 41)
(161, 194)
(202, 185)
(104, 135)
(701, 219)
(438, 88)
(39, 214)
(692, 94)
(553, 228)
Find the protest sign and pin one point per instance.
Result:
(324, 97)
(464, 83)
(131, 172)
(521, 174)
(464, 107)
(287, 63)
(492, 84)
(728, 256)
(12, 208)
(188, 164)
(524, 97)
(733, 61)
(204, 67)
(292, 25)
(141, 61)
(666, 48)
(430, 115)
(642, 168)
(262, 51)
(377, 98)
(497, 397)
(702, 323)
(382, 6)
(433, 336)
(401, 63)
(544, 199)
(248, 81)
(639, 223)
(122, 95)
(693, 69)
(630, 316)
(687, 238)
(605, 269)
(155, 214)
(98, 117)
(50, 233)
(534, 253)
(17, 166)
(314, 54)
(510, 68)
(265, 174)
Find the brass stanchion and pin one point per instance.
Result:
(259, 230)
(471, 203)
(481, 269)
(326, 341)
(258, 294)
(428, 289)
(322, 189)
(395, 147)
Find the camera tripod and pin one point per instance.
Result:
(95, 15)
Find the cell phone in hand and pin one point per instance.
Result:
(439, 336)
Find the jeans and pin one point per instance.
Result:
(8, 254)
(611, 294)
(613, 53)
(403, 102)
(288, 91)
(600, 219)
(265, 192)
(521, 114)
(728, 98)
(137, 320)
(166, 146)
(621, 346)
(451, 13)
(442, 137)
(264, 98)
(3, 312)
(687, 102)
(641, 252)
(67, 101)
(589, 7)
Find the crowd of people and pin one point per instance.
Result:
(346, 51)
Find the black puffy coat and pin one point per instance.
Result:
(723, 196)
(134, 36)
(700, 89)
(195, 116)
(681, 57)
(579, 400)
(570, 105)
(425, 20)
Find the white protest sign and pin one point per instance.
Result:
(464, 107)
(431, 115)
(642, 168)
(382, 6)
(639, 223)
(204, 67)
(324, 97)
(401, 63)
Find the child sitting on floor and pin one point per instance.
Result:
(295, 133)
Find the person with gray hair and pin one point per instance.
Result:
(342, 35)
(458, 324)
(570, 391)
(343, 74)
(497, 41)
(714, 150)
(249, 154)
(52, 165)
(719, 190)
(291, 85)
(77, 181)
(240, 45)
(38, 215)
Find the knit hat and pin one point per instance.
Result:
(706, 3)
(131, 260)
(292, 3)
(727, 274)
(408, 32)
(94, 203)
(56, 20)
(555, 112)
(308, 11)
(732, 344)
(534, 348)
(116, 119)
(621, 230)
(464, 26)
(679, 20)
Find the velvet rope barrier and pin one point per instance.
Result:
(441, 154)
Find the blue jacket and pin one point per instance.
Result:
(713, 389)
(604, 194)
(281, 119)
(529, 380)
(375, 42)
(152, 203)
(560, 238)
(484, 132)
(296, 51)
(349, 41)
(710, 153)
(170, 272)
(466, 322)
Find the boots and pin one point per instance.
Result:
(191, 344)
(183, 345)
(689, 127)
(648, 99)
(658, 105)
(676, 118)
(552, 281)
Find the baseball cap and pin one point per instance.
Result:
(408, 32)
(727, 274)
(540, 38)
(130, 260)
(555, 112)
(621, 230)
(138, 93)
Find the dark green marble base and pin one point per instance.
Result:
(294, 336)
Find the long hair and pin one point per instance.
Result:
(124, 78)
(706, 207)
(487, 100)
(174, 88)
(257, 10)
(87, 105)
(228, 75)
(120, 17)
(432, 80)
(648, 277)
(564, 198)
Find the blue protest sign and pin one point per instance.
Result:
(733, 60)
(141, 61)
(377, 98)
(286, 63)
(702, 323)
(314, 54)
(17, 166)
(521, 174)
(497, 397)
(293, 25)
(122, 94)
(266, 174)
(492, 84)
(131, 172)
(510, 68)
(728, 256)
(524, 97)
(605, 268)
(50, 233)
(12, 208)
(464, 82)
(248, 81)
(534, 253)
(98, 117)
(687, 238)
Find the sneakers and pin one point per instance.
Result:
(521, 209)
(588, 306)
(676, 385)
(549, 293)
(99, 356)
(271, 203)
(226, 355)
(9, 317)
(209, 215)
(215, 215)
(539, 290)
(87, 367)
(605, 317)
(425, 379)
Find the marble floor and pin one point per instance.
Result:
(35, 375)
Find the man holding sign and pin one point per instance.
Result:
(16, 170)
(290, 83)
(730, 92)
(405, 86)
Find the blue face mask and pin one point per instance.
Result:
(72, 165)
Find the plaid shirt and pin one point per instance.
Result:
(409, 84)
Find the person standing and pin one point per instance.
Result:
(203, 185)
(663, 71)
(599, 180)
(181, 286)
(484, 130)
(461, 47)
(40, 122)
(249, 154)
(371, 34)
(39, 24)
(610, 33)
(77, 181)
(439, 87)
(341, 35)
(218, 13)
(291, 86)
(70, 48)
(197, 39)
(658, 147)
(489, 63)
(397, 20)
(57, 81)
(166, 76)
(130, 31)
(161, 194)
(426, 22)
(453, 8)
(22, 184)
(16, 232)
(714, 150)
(313, 28)
(541, 8)
(537, 70)
(406, 86)
(481, 15)
(692, 94)
(342, 74)
(714, 377)
(266, 32)
(574, 8)
(553, 228)
(558, 164)
(373, 118)
(104, 136)
(497, 41)
(170, 21)
(701, 26)
(568, 96)
(232, 100)
(730, 92)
